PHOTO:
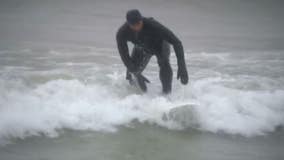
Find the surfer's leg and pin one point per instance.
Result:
(166, 73)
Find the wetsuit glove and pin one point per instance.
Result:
(182, 74)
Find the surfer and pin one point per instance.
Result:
(149, 38)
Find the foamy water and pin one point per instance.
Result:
(43, 91)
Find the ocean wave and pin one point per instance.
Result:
(206, 104)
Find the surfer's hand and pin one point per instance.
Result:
(130, 79)
(182, 75)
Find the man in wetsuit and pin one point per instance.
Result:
(149, 38)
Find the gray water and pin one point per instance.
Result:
(63, 93)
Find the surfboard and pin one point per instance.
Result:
(185, 115)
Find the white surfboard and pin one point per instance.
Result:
(185, 115)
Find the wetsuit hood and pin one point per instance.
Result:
(133, 16)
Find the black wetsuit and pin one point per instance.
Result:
(153, 39)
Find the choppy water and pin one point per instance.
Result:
(59, 69)
(66, 89)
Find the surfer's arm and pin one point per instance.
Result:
(170, 37)
(123, 50)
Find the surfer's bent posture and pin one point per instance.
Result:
(149, 38)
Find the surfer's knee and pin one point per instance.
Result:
(164, 63)
(165, 68)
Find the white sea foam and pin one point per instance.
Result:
(72, 104)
